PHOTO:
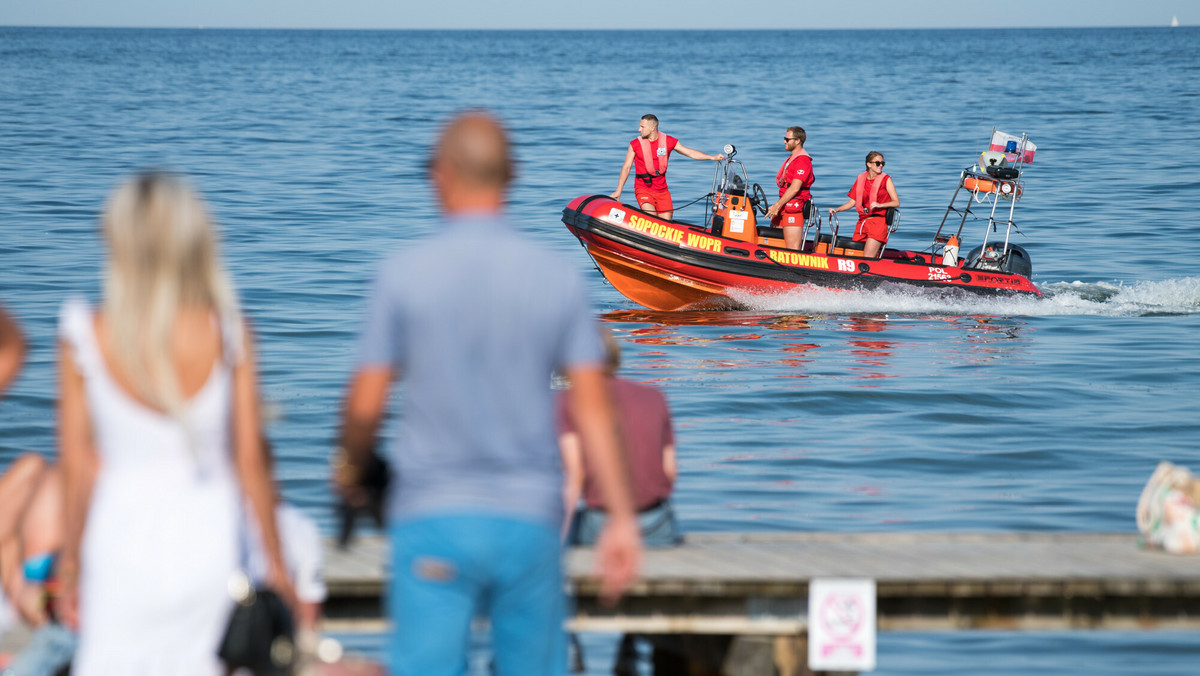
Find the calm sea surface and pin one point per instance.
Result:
(813, 411)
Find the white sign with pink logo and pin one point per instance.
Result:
(841, 625)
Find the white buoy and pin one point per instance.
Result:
(950, 252)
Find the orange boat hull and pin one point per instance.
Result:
(655, 288)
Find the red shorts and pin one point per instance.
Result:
(783, 220)
(874, 227)
(661, 199)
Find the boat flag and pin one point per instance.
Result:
(1012, 147)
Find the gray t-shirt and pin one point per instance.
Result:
(475, 320)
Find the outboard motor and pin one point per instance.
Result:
(991, 256)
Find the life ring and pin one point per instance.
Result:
(979, 184)
(985, 185)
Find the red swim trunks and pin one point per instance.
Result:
(785, 220)
(874, 227)
(661, 199)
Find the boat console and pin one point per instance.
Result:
(731, 211)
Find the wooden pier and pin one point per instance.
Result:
(746, 593)
(756, 585)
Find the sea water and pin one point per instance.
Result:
(891, 410)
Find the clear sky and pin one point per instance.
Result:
(713, 14)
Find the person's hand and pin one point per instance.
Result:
(346, 478)
(772, 210)
(618, 557)
(66, 607)
(31, 604)
(279, 582)
(719, 157)
(832, 212)
(616, 195)
(352, 494)
(874, 206)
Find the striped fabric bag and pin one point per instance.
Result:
(1167, 517)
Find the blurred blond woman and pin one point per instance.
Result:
(158, 430)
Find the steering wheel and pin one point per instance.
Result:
(758, 199)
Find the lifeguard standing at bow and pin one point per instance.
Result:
(648, 155)
(871, 195)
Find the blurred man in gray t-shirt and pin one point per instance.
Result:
(475, 319)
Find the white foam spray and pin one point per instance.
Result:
(1171, 296)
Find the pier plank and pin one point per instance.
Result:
(758, 582)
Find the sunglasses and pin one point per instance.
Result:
(787, 138)
(877, 163)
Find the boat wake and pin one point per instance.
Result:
(1166, 297)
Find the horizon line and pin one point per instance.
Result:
(606, 29)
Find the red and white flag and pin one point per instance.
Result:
(1001, 142)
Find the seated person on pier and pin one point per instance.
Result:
(30, 537)
(649, 443)
(871, 195)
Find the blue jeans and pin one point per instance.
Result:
(657, 524)
(50, 649)
(447, 569)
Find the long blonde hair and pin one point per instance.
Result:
(162, 256)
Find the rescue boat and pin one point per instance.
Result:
(674, 265)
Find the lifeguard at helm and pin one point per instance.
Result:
(795, 179)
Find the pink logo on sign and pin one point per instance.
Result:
(842, 615)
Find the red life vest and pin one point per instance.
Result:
(655, 161)
(796, 204)
(863, 195)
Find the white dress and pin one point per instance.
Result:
(161, 537)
